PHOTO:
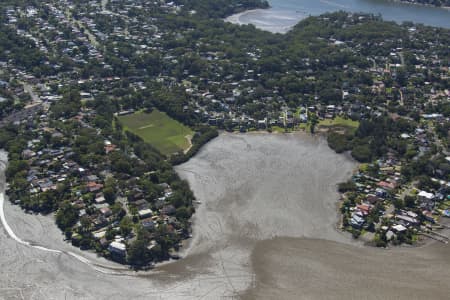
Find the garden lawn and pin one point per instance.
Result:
(159, 130)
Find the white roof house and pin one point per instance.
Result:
(117, 247)
(145, 213)
(426, 195)
(399, 228)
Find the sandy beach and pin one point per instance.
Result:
(236, 18)
(274, 21)
(265, 230)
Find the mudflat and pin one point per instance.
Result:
(265, 228)
(290, 268)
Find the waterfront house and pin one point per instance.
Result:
(357, 221)
(168, 210)
(117, 248)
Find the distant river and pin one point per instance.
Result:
(283, 14)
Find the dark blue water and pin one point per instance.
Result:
(389, 10)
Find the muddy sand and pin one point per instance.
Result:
(275, 21)
(265, 229)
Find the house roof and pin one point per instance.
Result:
(426, 195)
(399, 228)
(118, 246)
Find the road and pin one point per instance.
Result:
(29, 89)
(22, 115)
(402, 58)
(104, 3)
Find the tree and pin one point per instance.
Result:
(347, 186)
(399, 203)
(85, 224)
(410, 201)
(66, 216)
(228, 124)
(362, 153)
(110, 233)
(314, 122)
(182, 213)
(126, 226)
(16, 166)
(338, 142)
(138, 254)
(110, 194)
(380, 240)
(68, 106)
(122, 165)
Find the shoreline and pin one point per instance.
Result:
(188, 244)
(267, 19)
(97, 266)
(225, 257)
(235, 18)
(322, 134)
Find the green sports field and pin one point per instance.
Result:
(340, 122)
(156, 128)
